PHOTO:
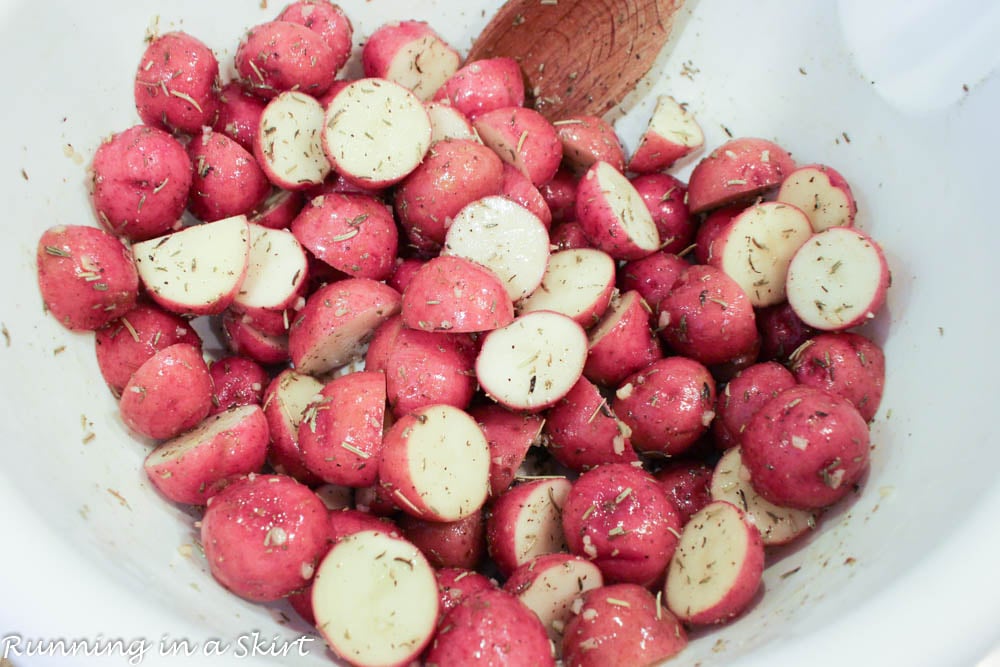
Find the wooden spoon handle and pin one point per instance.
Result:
(578, 56)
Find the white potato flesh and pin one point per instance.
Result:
(449, 463)
(294, 393)
(826, 204)
(538, 525)
(553, 590)
(620, 307)
(673, 122)
(376, 131)
(204, 433)
(757, 246)
(506, 238)
(197, 268)
(575, 283)
(777, 525)
(837, 280)
(532, 362)
(275, 272)
(626, 205)
(422, 65)
(447, 122)
(375, 599)
(291, 140)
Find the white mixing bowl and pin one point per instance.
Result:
(901, 97)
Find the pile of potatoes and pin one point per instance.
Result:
(498, 391)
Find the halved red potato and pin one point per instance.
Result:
(777, 525)
(523, 138)
(822, 194)
(550, 585)
(400, 594)
(197, 270)
(281, 56)
(376, 132)
(344, 522)
(411, 54)
(457, 584)
(427, 368)
(687, 485)
(337, 321)
(403, 272)
(532, 362)
(244, 338)
(560, 195)
(756, 246)
(506, 238)
(577, 282)
(447, 122)
(614, 216)
(86, 276)
(846, 364)
(518, 188)
(460, 544)
(376, 500)
(589, 139)
(263, 536)
(278, 209)
(743, 395)
(239, 115)
(569, 234)
(781, 332)
(838, 279)
(289, 142)
(276, 272)
(582, 432)
(709, 230)
(176, 84)
(666, 199)
(509, 435)
(737, 171)
(525, 521)
(285, 403)
(187, 468)
(449, 293)
(329, 21)
(436, 463)
(170, 393)
(671, 134)
(227, 181)
(237, 380)
(483, 85)
(652, 276)
(716, 570)
(622, 342)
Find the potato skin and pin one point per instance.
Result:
(665, 197)
(846, 364)
(509, 435)
(326, 19)
(482, 86)
(457, 584)
(653, 276)
(737, 171)
(805, 448)
(743, 395)
(280, 55)
(781, 332)
(170, 393)
(86, 276)
(427, 368)
(237, 381)
(588, 139)
(450, 293)
(582, 431)
(456, 544)
(176, 85)
(239, 115)
(687, 485)
(226, 179)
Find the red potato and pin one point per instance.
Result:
(666, 199)
(243, 338)
(838, 279)
(459, 543)
(579, 283)
(382, 342)
(456, 584)
(449, 293)
(340, 435)
(621, 625)
(280, 56)
(447, 122)
(124, 344)
(326, 19)
(490, 629)
(614, 216)
(376, 500)
(777, 525)
(668, 405)
(227, 180)
(277, 270)
(411, 54)
(743, 395)
(560, 195)
(239, 115)
(482, 86)
(506, 238)
(568, 235)
(336, 323)
(518, 188)
(532, 362)
(455, 172)
(550, 585)
(86, 276)
(197, 270)
(509, 436)
(582, 432)
(687, 485)
(400, 594)
(589, 139)
(652, 276)
(622, 342)
(285, 401)
(846, 364)
(426, 368)
(523, 138)
(805, 448)
(716, 569)
(348, 521)
(353, 233)
(263, 536)
(278, 210)
(170, 393)
(617, 516)
(671, 134)
(403, 271)
(756, 246)
(187, 468)
(375, 132)
(141, 178)
(237, 381)
(525, 522)
(708, 317)
(177, 84)
(737, 171)
(822, 194)
(709, 230)
(781, 332)
(289, 141)
(436, 461)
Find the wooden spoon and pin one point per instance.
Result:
(578, 56)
